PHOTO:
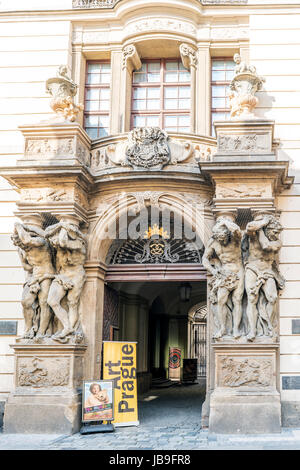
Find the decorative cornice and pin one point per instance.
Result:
(94, 3)
(87, 4)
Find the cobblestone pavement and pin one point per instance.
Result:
(169, 420)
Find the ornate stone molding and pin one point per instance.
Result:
(148, 149)
(130, 56)
(245, 372)
(188, 56)
(94, 3)
(63, 90)
(160, 24)
(38, 373)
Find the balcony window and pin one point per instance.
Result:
(97, 99)
(161, 96)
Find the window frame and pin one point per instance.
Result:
(161, 112)
(89, 86)
(217, 83)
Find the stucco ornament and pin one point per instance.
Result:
(244, 85)
(35, 255)
(149, 148)
(261, 245)
(223, 260)
(70, 246)
(63, 89)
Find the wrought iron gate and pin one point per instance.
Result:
(199, 347)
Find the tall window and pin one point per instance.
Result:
(221, 76)
(97, 99)
(161, 96)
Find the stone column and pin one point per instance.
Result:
(241, 258)
(130, 62)
(203, 93)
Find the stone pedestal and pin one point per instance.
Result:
(47, 390)
(245, 399)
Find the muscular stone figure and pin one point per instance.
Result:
(262, 278)
(70, 247)
(224, 249)
(34, 251)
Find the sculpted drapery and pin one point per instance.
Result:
(245, 278)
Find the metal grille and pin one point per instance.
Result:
(156, 251)
(199, 347)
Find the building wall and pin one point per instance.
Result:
(32, 48)
(30, 52)
(275, 51)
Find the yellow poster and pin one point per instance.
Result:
(119, 365)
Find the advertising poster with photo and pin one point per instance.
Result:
(97, 401)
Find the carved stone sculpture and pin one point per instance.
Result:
(244, 85)
(251, 372)
(261, 246)
(35, 254)
(188, 55)
(223, 259)
(70, 246)
(149, 148)
(63, 89)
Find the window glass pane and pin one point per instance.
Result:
(218, 64)
(153, 104)
(184, 104)
(171, 91)
(143, 68)
(170, 121)
(152, 121)
(105, 78)
(139, 104)
(92, 132)
(171, 65)
(218, 102)
(105, 68)
(218, 75)
(104, 93)
(92, 106)
(153, 92)
(104, 105)
(171, 104)
(184, 76)
(230, 64)
(139, 121)
(218, 90)
(103, 121)
(181, 66)
(184, 120)
(103, 132)
(153, 77)
(154, 67)
(93, 79)
(93, 68)
(139, 93)
(139, 77)
(184, 92)
(93, 94)
(91, 121)
(229, 74)
(171, 77)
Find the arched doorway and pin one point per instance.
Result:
(144, 280)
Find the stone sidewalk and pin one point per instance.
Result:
(153, 438)
(169, 420)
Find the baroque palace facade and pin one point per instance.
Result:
(150, 193)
